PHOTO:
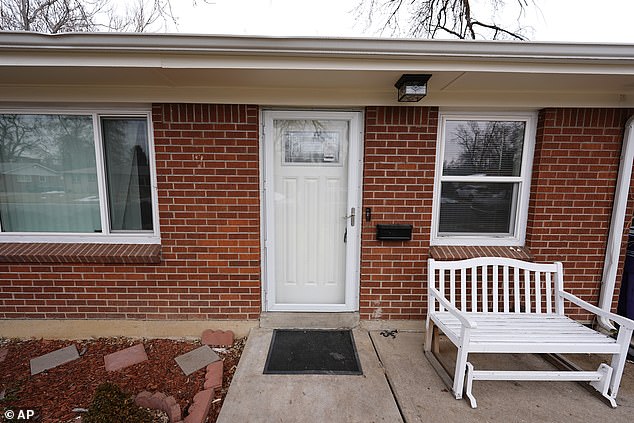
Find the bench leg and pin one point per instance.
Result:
(429, 329)
(603, 384)
(618, 360)
(459, 374)
(472, 400)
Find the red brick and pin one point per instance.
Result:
(174, 413)
(200, 407)
(143, 399)
(219, 338)
(185, 167)
(213, 377)
(157, 400)
(125, 358)
(581, 170)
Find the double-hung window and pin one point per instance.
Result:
(77, 176)
(483, 167)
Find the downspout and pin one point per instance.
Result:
(619, 208)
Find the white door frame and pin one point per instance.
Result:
(267, 209)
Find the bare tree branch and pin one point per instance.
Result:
(54, 16)
(464, 19)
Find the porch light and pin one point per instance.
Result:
(412, 87)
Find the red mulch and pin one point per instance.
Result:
(58, 391)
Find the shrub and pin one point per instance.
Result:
(112, 405)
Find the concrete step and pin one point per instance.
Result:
(287, 320)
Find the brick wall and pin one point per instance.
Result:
(572, 190)
(400, 149)
(207, 164)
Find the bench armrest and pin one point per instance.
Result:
(622, 321)
(462, 317)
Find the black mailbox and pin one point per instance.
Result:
(394, 232)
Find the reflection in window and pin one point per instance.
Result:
(311, 141)
(481, 178)
(46, 162)
(127, 173)
(486, 208)
(483, 148)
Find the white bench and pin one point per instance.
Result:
(500, 305)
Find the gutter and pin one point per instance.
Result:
(617, 224)
(595, 53)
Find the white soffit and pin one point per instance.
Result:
(310, 71)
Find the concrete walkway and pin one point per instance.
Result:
(256, 397)
(409, 390)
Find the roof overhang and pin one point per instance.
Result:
(146, 68)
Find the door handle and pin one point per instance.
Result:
(351, 216)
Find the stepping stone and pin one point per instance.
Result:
(53, 359)
(196, 359)
(3, 354)
(125, 358)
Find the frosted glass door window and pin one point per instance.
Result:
(127, 173)
(48, 175)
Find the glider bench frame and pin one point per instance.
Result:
(502, 305)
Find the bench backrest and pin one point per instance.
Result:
(495, 284)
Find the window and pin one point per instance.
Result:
(76, 176)
(482, 179)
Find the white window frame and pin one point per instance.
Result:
(520, 217)
(106, 236)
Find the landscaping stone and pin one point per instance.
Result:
(143, 399)
(160, 401)
(174, 413)
(157, 401)
(169, 401)
(3, 354)
(213, 377)
(217, 338)
(125, 358)
(200, 406)
(196, 359)
(53, 359)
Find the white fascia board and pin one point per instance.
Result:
(182, 43)
(165, 50)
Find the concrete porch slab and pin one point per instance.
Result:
(254, 396)
(423, 397)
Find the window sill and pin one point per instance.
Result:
(14, 252)
(457, 252)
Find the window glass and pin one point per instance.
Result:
(48, 174)
(483, 190)
(127, 173)
(488, 148)
(484, 208)
(311, 141)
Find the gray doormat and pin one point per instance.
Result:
(302, 351)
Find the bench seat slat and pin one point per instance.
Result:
(502, 332)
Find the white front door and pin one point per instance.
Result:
(312, 168)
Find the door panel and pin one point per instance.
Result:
(311, 248)
(310, 189)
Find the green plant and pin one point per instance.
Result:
(112, 405)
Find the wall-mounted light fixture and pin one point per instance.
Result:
(412, 87)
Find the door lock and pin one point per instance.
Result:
(351, 216)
